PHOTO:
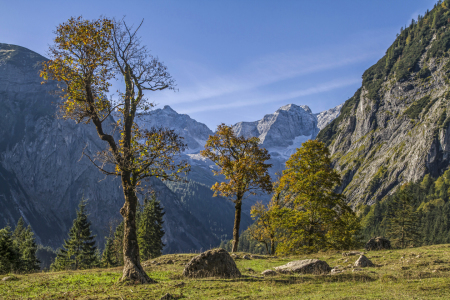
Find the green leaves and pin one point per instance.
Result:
(312, 216)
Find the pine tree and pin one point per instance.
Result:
(118, 243)
(109, 258)
(9, 256)
(403, 227)
(150, 229)
(80, 248)
(29, 260)
(25, 244)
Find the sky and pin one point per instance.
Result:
(238, 60)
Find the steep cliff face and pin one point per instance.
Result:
(43, 175)
(395, 128)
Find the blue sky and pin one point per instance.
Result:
(239, 60)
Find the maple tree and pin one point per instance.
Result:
(86, 56)
(242, 162)
(312, 216)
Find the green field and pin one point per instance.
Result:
(414, 273)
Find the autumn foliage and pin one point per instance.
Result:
(242, 162)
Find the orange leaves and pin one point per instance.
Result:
(241, 161)
(81, 58)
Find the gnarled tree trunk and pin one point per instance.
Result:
(132, 269)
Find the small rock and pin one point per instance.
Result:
(250, 270)
(356, 270)
(269, 273)
(418, 256)
(377, 243)
(363, 262)
(179, 284)
(246, 257)
(352, 253)
(235, 256)
(346, 260)
(307, 266)
(167, 297)
(336, 271)
(169, 261)
(8, 278)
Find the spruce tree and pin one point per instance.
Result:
(25, 244)
(118, 243)
(150, 229)
(109, 258)
(9, 257)
(80, 248)
(403, 227)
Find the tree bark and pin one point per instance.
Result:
(237, 222)
(272, 246)
(132, 269)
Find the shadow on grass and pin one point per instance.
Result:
(300, 279)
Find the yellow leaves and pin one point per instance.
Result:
(240, 160)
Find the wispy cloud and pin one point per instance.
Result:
(261, 99)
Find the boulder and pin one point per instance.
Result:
(269, 273)
(307, 266)
(212, 263)
(377, 243)
(363, 262)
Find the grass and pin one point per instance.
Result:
(414, 273)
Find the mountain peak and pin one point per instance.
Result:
(295, 107)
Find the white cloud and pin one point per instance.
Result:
(261, 99)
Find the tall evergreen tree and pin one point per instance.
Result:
(9, 257)
(109, 258)
(80, 248)
(150, 229)
(118, 243)
(26, 247)
(403, 227)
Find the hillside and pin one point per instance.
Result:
(415, 273)
(395, 129)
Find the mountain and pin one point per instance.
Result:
(395, 129)
(280, 133)
(194, 133)
(43, 175)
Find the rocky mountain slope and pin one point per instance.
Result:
(395, 128)
(43, 176)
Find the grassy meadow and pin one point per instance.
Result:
(414, 273)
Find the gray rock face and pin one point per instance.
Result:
(326, 117)
(307, 266)
(194, 133)
(363, 262)
(43, 176)
(282, 127)
(382, 144)
(212, 263)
